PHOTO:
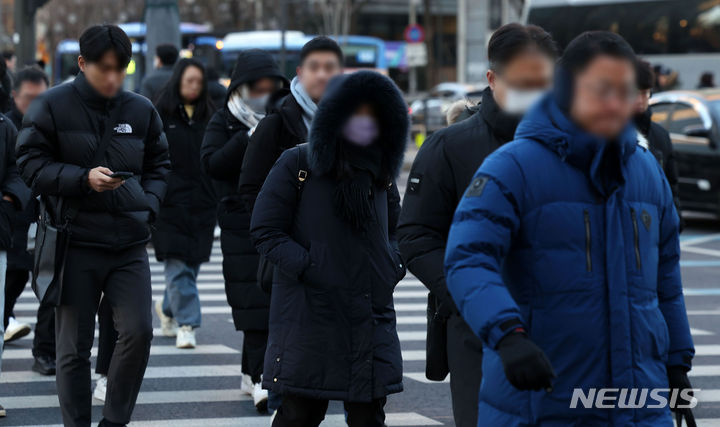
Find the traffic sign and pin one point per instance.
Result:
(416, 54)
(414, 33)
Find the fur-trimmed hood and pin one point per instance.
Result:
(344, 95)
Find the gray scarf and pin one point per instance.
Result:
(241, 111)
(308, 106)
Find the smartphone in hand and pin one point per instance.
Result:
(122, 175)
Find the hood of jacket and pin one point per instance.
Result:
(251, 65)
(344, 95)
(547, 124)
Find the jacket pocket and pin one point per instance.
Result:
(636, 238)
(588, 241)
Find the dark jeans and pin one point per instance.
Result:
(296, 411)
(107, 338)
(465, 363)
(123, 277)
(253, 353)
(44, 341)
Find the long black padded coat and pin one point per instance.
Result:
(223, 150)
(186, 223)
(332, 321)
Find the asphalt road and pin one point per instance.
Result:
(201, 386)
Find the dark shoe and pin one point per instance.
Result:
(3, 413)
(44, 365)
(106, 423)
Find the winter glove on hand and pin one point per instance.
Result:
(678, 380)
(526, 366)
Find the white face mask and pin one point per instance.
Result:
(258, 103)
(519, 101)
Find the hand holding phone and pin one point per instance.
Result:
(122, 175)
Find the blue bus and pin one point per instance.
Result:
(361, 52)
(197, 41)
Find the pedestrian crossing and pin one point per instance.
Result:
(207, 379)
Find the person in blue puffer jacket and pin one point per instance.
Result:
(563, 258)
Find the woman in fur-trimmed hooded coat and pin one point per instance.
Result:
(332, 322)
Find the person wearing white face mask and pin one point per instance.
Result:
(255, 77)
(521, 68)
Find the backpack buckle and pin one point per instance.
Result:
(302, 175)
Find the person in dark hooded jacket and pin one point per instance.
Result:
(290, 112)
(564, 258)
(325, 218)
(183, 234)
(521, 61)
(255, 77)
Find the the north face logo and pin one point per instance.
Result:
(123, 128)
(646, 219)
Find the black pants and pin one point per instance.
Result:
(107, 338)
(123, 277)
(296, 411)
(465, 363)
(253, 353)
(44, 341)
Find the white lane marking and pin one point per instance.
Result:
(155, 350)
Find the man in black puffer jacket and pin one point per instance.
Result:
(107, 256)
(521, 61)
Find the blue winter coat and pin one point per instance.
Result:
(585, 256)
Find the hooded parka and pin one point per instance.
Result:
(223, 150)
(576, 240)
(186, 223)
(332, 322)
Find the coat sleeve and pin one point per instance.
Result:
(259, 159)
(221, 157)
(670, 294)
(38, 156)
(426, 216)
(485, 223)
(12, 184)
(156, 163)
(273, 216)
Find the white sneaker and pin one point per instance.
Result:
(260, 397)
(16, 330)
(100, 388)
(247, 386)
(185, 337)
(168, 324)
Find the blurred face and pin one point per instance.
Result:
(361, 128)
(106, 76)
(642, 101)
(517, 84)
(262, 87)
(316, 71)
(604, 96)
(191, 84)
(27, 93)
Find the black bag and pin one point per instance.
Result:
(436, 356)
(266, 269)
(53, 233)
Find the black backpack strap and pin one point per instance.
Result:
(302, 168)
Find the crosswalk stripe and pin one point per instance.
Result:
(334, 420)
(190, 371)
(707, 350)
(223, 309)
(155, 350)
(420, 377)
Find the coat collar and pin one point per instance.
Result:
(501, 124)
(91, 97)
(604, 161)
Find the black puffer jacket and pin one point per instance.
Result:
(440, 174)
(223, 150)
(56, 145)
(281, 129)
(332, 322)
(11, 185)
(186, 223)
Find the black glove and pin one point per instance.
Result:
(678, 380)
(526, 366)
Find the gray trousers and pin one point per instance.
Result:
(123, 277)
(465, 363)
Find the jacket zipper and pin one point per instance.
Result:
(588, 242)
(636, 231)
